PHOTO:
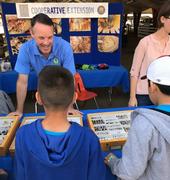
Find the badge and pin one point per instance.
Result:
(56, 61)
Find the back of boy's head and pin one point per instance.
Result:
(56, 87)
(158, 72)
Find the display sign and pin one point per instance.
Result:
(8, 127)
(110, 127)
(93, 40)
(63, 10)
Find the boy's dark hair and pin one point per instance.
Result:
(56, 87)
(164, 11)
(41, 18)
(163, 88)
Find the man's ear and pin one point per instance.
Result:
(75, 97)
(31, 32)
(38, 98)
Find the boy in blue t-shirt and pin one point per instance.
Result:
(54, 148)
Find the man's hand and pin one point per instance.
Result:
(72, 111)
(16, 113)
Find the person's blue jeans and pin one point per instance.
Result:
(143, 100)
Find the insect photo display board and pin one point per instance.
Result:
(30, 119)
(8, 127)
(93, 40)
(110, 127)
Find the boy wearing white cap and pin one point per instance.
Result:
(146, 154)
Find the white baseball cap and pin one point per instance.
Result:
(159, 71)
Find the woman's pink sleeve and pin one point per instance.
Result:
(138, 58)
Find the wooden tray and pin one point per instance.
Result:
(8, 127)
(110, 127)
(30, 119)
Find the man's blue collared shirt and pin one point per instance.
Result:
(29, 57)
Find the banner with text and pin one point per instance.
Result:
(63, 10)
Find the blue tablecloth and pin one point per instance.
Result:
(112, 77)
(8, 81)
(7, 162)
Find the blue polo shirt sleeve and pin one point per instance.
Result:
(68, 59)
(22, 65)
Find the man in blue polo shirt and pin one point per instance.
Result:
(44, 49)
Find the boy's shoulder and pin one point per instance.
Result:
(148, 118)
(90, 139)
(27, 128)
(147, 112)
(141, 117)
(142, 111)
(86, 130)
(86, 135)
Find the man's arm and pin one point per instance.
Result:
(21, 92)
(22, 83)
